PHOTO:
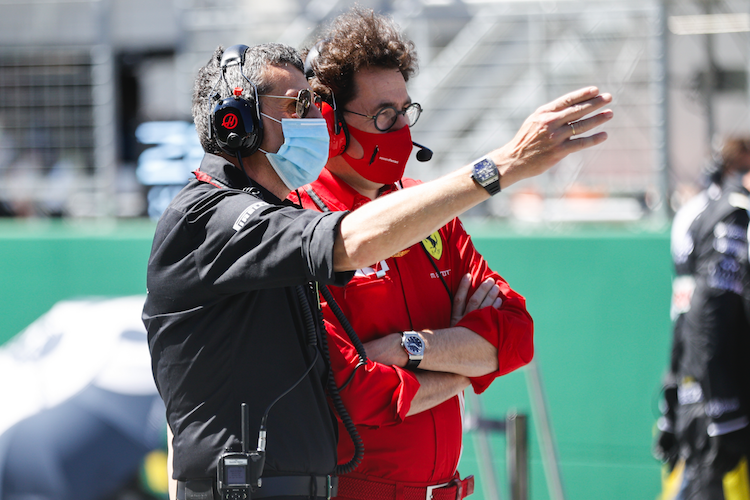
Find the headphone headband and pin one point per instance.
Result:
(312, 56)
(234, 55)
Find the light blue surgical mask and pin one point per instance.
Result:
(304, 153)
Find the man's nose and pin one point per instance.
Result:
(401, 122)
(314, 112)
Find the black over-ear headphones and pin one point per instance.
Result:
(235, 121)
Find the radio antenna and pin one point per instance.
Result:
(245, 427)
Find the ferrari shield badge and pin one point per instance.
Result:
(434, 245)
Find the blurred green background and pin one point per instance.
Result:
(600, 300)
(599, 297)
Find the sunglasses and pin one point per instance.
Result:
(386, 117)
(305, 98)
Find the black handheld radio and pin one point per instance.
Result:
(238, 473)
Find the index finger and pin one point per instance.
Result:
(459, 300)
(571, 107)
(572, 98)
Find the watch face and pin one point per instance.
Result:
(413, 344)
(484, 170)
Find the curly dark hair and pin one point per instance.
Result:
(208, 81)
(354, 40)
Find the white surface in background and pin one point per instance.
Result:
(78, 342)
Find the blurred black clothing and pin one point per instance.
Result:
(712, 370)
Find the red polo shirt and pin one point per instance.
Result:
(402, 293)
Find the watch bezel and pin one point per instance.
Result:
(486, 174)
(414, 357)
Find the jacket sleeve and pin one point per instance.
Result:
(510, 328)
(243, 243)
(374, 394)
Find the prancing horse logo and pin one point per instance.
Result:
(434, 245)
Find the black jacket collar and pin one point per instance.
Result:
(221, 173)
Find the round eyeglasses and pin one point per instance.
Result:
(386, 117)
(305, 98)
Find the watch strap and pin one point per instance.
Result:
(493, 187)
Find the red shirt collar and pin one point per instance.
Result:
(338, 195)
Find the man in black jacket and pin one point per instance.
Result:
(711, 358)
(232, 309)
(682, 245)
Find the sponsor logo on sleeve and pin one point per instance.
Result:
(245, 215)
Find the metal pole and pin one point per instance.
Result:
(549, 450)
(660, 93)
(709, 84)
(518, 455)
(105, 126)
(484, 453)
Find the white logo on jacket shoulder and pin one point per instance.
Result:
(245, 215)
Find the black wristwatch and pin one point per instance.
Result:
(485, 174)
(413, 344)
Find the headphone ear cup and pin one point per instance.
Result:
(338, 141)
(237, 126)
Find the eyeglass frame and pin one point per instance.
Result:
(315, 100)
(403, 112)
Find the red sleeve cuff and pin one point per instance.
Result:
(379, 395)
(408, 389)
(510, 330)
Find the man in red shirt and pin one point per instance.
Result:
(409, 418)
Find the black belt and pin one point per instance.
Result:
(276, 486)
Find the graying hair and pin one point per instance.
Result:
(210, 87)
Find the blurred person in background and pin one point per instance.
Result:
(703, 431)
(426, 342)
(683, 285)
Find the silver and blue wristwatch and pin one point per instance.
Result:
(413, 344)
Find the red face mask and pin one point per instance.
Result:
(385, 155)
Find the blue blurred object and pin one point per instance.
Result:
(82, 409)
(167, 166)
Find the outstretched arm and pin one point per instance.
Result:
(394, 222)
